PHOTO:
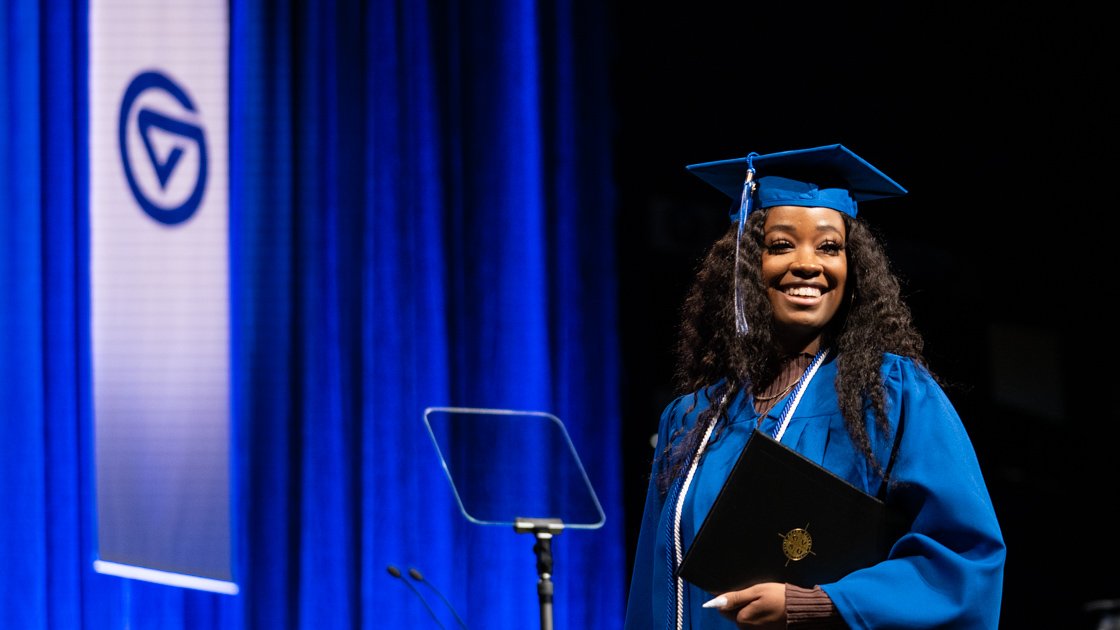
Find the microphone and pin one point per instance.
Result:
(395, 572)
(419, 577)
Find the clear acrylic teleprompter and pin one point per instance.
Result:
(529, 477)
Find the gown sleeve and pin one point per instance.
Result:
(946, 571)
(641, 604)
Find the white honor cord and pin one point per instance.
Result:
(677, 520)
(795, 397)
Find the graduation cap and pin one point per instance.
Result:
(830, 176)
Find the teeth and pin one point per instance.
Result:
(804, 291)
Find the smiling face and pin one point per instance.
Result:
(805, 270)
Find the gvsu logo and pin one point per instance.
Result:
(163, 148)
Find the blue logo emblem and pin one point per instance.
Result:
(168, 176)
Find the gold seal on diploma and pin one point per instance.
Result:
(797, 543)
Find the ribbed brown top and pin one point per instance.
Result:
(811, 609)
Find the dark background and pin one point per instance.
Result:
(998, 120)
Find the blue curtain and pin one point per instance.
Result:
(421, 214)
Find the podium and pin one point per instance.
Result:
(530, 458)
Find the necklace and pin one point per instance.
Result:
(758, 398)
(765, 404)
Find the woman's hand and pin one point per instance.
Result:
(758, 606)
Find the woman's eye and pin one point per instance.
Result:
(831, 247)
(777, 247)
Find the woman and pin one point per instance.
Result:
(795, 326)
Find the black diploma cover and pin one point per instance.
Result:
(783, 518)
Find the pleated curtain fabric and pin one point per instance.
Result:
(421, 213)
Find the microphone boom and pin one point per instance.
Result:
(395, 572)
(419, 577)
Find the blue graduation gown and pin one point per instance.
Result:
(946, 571)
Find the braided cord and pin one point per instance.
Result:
(795, 397)
(676, 560)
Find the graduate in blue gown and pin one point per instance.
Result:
(795, 327)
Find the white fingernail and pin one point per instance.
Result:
(718, 602)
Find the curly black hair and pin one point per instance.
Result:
(872, 319)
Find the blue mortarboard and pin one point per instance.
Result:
(830, 176)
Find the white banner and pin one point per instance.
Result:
(159, 274)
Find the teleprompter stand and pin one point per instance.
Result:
(504, 465)
(544, 530)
